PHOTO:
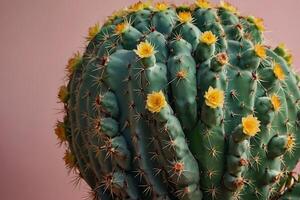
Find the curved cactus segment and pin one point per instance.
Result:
(132, 119)
(182, 75)
(182, 167)
(207, 140)
(77, 141)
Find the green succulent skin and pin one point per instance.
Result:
(187, 150)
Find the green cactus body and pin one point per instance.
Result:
(182, 103)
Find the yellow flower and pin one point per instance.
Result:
(60, 131)
(277, 70)
(121, 28)
(145, 50)
(93, 30)
(204, 4)
(275, 102)
(214, 97)
(138, 6)
(222, 58)
(260, 51)
(63, 94)
(250, 125)
(118, 13)
(282, 46)
(185, 17)
(208, 38)
(161, 6)
(290, 144)
(155, 101)
(73, 62)
(259, 23)
(228, 7)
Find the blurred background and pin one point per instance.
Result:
(36, 39)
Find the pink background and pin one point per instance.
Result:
(36, 39)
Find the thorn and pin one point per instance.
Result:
(140, 173)
(155, 155)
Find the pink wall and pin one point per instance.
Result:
(36, 38)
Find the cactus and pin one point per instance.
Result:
(182, 102)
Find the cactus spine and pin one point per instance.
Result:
(182, 103)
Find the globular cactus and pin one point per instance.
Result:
(182, 103)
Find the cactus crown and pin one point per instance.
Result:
(182, 102)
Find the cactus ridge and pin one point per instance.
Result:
(184, 103)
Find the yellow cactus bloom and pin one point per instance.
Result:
(185, 17)
(204, 4)
(121, 28)
(73, 62)
(276, 102)
(214, 97)
(227, 6)
(250, 125)
(279, 73)
(155, 102)
(60, 131)
(138, 6)
(260, 51)
(145, 50)
(259, 23)
(118, 13)
(282, 46)
(290, 144)
(93, 30)
(222, 58)
(161, 6)
(63, 94)
(208, 38)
